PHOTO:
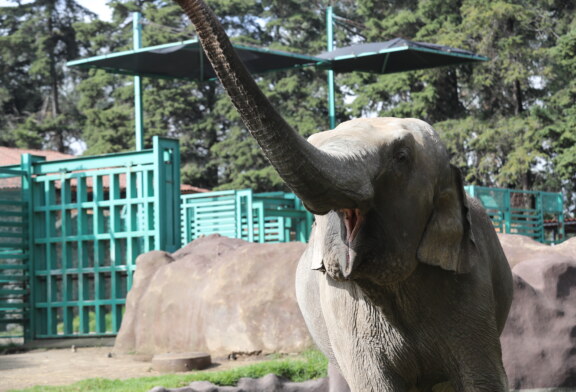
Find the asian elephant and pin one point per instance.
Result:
(404, 284)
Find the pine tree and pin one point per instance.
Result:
(36, 40)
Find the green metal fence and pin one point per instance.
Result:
(90, 218)
(14, 266)
(264, 217)
(522, 212)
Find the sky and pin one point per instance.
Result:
(97, 6)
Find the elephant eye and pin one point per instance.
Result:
(401, 156)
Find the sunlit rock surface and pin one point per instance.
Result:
(216, 295)
(539, 340)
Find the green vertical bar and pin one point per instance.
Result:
(330, 47)
(160, 198)
(149, 208)
(283, 226)
(540, 216)
(115, 249)
(560, 212)
(507, 211)
(83, 314)
(116, 318)
(50, 233)
(261, 221)
(84, 317)
(238, 196)
(249, 214)
(64, 198)
(168, 168)
(187, 221)
(98, 194)
(138, 109)
(26, 164)
(131, 196)
(176, 242)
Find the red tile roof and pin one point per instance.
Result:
(11, 156)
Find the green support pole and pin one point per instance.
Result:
(138, 110)
(330, 47)
(27, 161)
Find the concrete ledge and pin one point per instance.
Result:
(69, 342)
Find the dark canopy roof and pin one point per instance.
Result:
(395, 55)
(186, 60)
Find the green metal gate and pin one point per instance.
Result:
(521, 212)
(90, 218)
(14, 266)
(264, 217)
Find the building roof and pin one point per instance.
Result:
(11, 156)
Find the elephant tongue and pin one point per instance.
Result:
(353, 220)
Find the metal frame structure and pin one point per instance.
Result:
(89, 218)
(14, 254)
(254, 217)
(522, 212)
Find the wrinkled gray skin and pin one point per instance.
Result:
(404, 284)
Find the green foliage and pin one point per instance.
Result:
(310, 365)
(36, 39)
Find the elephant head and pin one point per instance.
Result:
(382, 190)
(417, 210)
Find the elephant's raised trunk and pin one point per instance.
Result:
(322, 181)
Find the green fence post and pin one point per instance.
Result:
(540, 216)
(138, 107)
(330, 47)
(26, 164)
(561, 229)
(167, 188)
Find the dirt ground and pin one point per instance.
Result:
(65, 366)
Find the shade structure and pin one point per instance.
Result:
(396, 55)
(186, 60)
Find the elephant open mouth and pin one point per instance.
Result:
(353, 220)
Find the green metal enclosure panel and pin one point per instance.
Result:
(14, 265)
(265, 217)
(90, 218)
(521, 212)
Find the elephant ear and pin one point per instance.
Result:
(448, 241)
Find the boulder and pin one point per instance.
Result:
(216, 295)
(539, 340)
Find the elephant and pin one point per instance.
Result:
(403, 285)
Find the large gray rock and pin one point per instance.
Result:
(539, 340)
(217, 295)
